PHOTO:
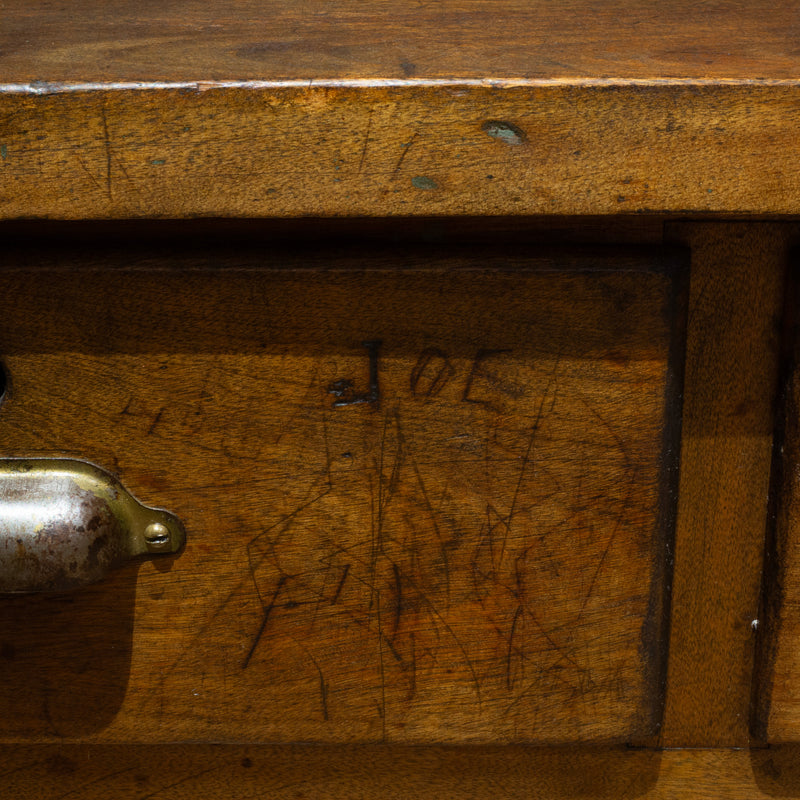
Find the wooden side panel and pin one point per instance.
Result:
(457, 535)
(730, 384)
(776, 693)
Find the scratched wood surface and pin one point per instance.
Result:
(732, 355)
(776, 697)
(97, 772)
(363, 39)
(255, 109)
(402, 150)
(460, 534)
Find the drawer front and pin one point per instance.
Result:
(428, 497)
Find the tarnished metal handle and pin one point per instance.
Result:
(66, 523)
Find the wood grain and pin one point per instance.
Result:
(399, 150)
(170, 772)
(362, 39)
(471, 547)
(777, 702)
(730, 387)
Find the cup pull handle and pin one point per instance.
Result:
(65, 523)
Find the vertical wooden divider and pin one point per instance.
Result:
(736, 285)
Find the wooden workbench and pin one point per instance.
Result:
(461, 337)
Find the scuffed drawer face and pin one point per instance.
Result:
(427, 497)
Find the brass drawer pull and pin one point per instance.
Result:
(65, 523)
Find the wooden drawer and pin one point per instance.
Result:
(486, 543)
(429, 495)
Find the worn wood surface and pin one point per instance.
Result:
(401, 150)
(363, 39)
(735, 307)
(370, 108)
(472, 547)
(171, 772)
(777, 702)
